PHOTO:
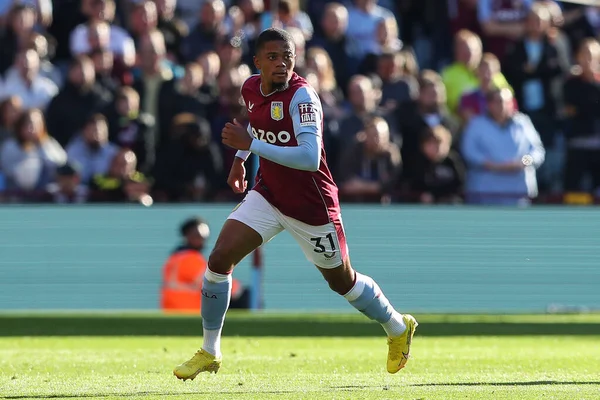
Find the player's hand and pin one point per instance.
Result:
(236, 136)
(237, 175)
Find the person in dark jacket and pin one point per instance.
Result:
(436, 174)
(531, 67)
(190, 167)
(78, 100)
(582, 97)
(131, 129)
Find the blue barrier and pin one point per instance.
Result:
(426, 259)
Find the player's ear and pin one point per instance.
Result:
(256, 62)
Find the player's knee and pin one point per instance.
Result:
(338, 286)
(341, 284)
(220, 261)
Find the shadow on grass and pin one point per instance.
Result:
(529, 383)
(253, 325)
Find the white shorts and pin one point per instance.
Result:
(325, 245)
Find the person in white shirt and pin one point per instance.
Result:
(119, 41)
(23, 79)
(363, 20)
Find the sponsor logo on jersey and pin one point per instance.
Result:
(250, 106)
(277, 110)
(308, 114)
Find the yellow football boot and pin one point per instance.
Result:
(201, 362)
(399, 346)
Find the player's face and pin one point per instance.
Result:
(276, 62)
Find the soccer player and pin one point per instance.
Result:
(294, 191)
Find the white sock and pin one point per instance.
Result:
(212, 341)
(395, 326)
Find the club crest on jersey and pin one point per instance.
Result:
(308, 114)
(277, 110)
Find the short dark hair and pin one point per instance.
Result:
(189, 224)
(273, 35)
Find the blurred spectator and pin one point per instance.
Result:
(184, 270)
(211, 67)
(42, 8)
(425, 28)
(371, 166)
(397, 87)
(131, 129)
(122, 182)
(230, 53)
(300, 43)
(502, 151)
(91, 150)
(67, 189)
(143, 19)
(173, 29)
(333, 39)
(474, 103)
(252, 11)
(582, 97)
(189, 11)
(103, 32)
(230, 107)
(110, 73)
(461, 76)
(189, 167)
(429, 109)
(463, 16)
(80, 98)
(436, 173)
(363, 20)
(205, 34)
(326, 86)
(68, 14)
(502, 23)
(235, 22)
(184, 95)
(581, 22)
(320, 63)
(363, 99)
(29, 160)
(10, 110)
(388, 42)
(154, 75)
(23, 79)
(16, 36)
(531, 66)
(40, 44)
(288, 15)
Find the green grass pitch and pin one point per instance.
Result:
(267, 356)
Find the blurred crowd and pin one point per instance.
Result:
(429, 101)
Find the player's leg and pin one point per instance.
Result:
(326, 247)
(250, 224)
(236, 240)
(363, 293)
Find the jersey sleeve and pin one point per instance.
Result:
(306, 112)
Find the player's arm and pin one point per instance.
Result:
(305, 111)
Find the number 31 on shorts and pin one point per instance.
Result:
(320, 248)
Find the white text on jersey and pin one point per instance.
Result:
(269, 137)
